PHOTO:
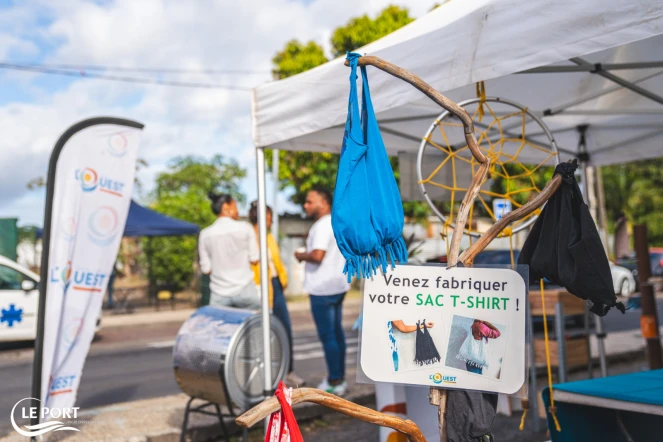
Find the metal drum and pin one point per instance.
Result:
(218, 356)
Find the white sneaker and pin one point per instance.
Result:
(294, 380)
(338, 390)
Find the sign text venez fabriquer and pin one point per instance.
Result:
(491, 293)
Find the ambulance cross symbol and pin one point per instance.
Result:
(11, 315)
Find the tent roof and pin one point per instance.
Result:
(463, 42)
(142, 221)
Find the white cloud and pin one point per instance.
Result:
(220, 34)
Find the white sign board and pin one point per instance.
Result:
(501, 207)
(474, 332)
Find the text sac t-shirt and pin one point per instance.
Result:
(326, 278)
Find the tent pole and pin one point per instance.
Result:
(563, 108)
(590, 67)
(264, 277)
(275, 198)
(599, 70)
(603, 217)
(598, 321)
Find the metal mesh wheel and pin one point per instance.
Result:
(244, 362)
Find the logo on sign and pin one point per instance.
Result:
(117, 145)
(46, 413)
(62, 385)
(438, 378)
(88, 281)
(90, 181)
(72, 331)
(61, 275)
(68, 229)
(103, 225)
(83, 280)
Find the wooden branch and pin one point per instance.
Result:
(268, 406)
(464, 212)
(521, 212)
(427, 89)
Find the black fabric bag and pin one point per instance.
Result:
(470, 414)
(564, 247)
(425, 351)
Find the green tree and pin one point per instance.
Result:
(27, 233)
(181, 192)
(636, 190)
(297, 57)
(363, 30)
(306, 170)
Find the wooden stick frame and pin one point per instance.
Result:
(437, 396)
(267, 407)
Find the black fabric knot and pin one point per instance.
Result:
(567, 170)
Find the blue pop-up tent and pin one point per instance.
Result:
(142, 221)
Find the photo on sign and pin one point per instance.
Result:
(476, 346)
(414, 343)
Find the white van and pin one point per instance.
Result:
(19, 300)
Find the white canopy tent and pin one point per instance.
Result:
(574, 63)
(463, 42)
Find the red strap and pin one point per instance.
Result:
(283, 421)
(288, 415)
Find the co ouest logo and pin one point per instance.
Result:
(91, 181)
(68, 229)
(26, 411)
(62, 385)
(438, 378)
(72, 331)
(61, 275)
(118, 144)
(103, 225)
(79, 279)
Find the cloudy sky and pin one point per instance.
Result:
(205, 34)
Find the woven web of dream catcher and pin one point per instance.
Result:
(521, 164)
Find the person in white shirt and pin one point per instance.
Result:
(227, 249)
(326, 284)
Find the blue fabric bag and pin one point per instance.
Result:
(367, 214)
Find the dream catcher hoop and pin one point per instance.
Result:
(522, 165)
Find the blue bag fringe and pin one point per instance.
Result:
(367, 214)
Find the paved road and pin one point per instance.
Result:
(114, 374)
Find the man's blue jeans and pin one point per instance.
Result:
(328, 315)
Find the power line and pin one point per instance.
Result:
(138, 80)
(96, 67)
